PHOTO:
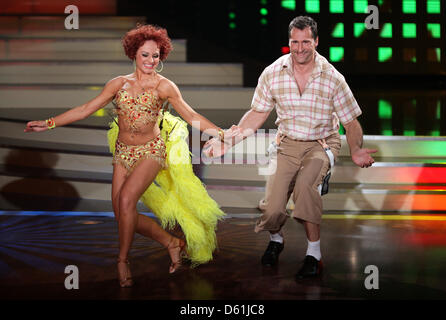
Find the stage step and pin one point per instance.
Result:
(404, 183)
(75, 49)
(41, 98)
(54, 26)
(98, 73)
(342, 197)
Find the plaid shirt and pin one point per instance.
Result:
(310, 116)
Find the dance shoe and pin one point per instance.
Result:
(124, 276)
(311, 268)
(271, 255)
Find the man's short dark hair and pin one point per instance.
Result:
(301, 23)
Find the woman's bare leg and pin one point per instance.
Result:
(133, 221)
(145, 225)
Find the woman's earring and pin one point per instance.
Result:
(162, 66)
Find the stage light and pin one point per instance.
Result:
(336, 6)
(434, 54)
(288, 4)
(338, 31)
(434, 30)
(312, 6)
(263, 13)
(386, 30)
(409, 6)
(360, 6)
(384, 109)
(409, 30)
(385, 115)
(336, 54)
(384, 54)
(358, 29)
(285, 50)
(232, 24)
(409, 55)
(433, 6)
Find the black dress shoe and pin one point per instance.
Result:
(271, 255)
(311, 268)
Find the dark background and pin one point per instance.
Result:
(415, 91)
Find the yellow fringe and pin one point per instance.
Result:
(178, 196)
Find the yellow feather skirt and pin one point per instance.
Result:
(177, 195)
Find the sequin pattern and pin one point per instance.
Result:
(130, 155)
(137, 111)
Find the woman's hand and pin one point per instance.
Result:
(36, 126)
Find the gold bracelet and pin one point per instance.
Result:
(221, 135)
(50, 123)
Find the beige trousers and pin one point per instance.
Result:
(301, 167)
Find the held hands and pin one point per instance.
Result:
(216, 148)
(36, 126)
(362, 158)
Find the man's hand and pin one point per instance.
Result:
(215, 148)
(362, 158)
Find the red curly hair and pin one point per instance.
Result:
(135, 38)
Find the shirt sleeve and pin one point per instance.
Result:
(345, 105)
(262, 100)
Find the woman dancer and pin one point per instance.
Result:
(144, 153)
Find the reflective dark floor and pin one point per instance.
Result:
(409, 254)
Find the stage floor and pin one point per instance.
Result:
(409, 252)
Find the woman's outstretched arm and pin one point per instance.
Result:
(168, 90)
(82, 111)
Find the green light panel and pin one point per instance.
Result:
(434, 30)
(336, 6)
(436, 130)
(360, 6)
(409, 119)
(385, 116)
(336, 54)
(410, 55)
(263, 11)
(433, 6)
(409, 6)
(338, 31)
(232, 24)
(434, 54)
(384, 109)
(384, 54)
(386, 30)
(409, 30)
(312, 6)
(358, 29)
(288, 4)
(263, 21)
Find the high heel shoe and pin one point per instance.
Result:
(180, 247)
(127, 280)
